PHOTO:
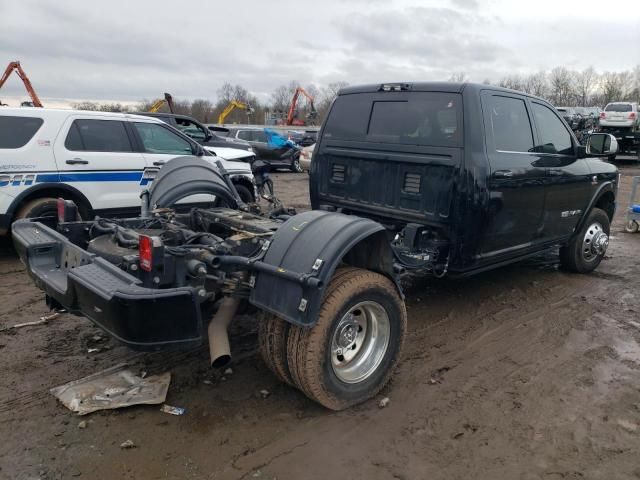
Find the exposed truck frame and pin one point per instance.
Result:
(326, 282)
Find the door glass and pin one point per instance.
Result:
(260, 137)
(73, 141)
(192, 129)
(15, 132)
(245, 135)
(158, 139)
(554, 137)
(98, 136)
(509, 122)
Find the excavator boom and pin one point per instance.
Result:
(25, 80)
(291, 120)
(233, 104)
(157, 105)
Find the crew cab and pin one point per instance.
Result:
(407, 179)
(101, 161)
(474, 176)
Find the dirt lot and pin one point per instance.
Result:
(521, 373)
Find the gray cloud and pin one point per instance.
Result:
(127, 50)
(434, 37)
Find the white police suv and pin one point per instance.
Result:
(101, 161)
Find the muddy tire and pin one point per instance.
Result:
(632, 226)
(39, 207)
(586, 250)
(352, 350)
(295, 166)
(273, 333)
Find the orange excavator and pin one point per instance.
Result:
(291, 120)
(35, 101)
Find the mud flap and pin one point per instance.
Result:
(313, 244)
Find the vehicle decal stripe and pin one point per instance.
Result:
(90, 177)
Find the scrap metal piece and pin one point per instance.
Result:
(115, 387)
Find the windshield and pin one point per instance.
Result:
(618, 107)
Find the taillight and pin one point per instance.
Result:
(602, 115)
(145, 250)
(632, 116)
(60, 205)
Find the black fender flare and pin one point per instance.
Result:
(608, 186)
(74, 193)
(314, 243)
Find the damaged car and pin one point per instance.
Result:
(398, 187)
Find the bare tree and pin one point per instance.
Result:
(584, 83)
(536, 84)
(561, 87)
(459, 77)
(202, 110)
(100, 107)
(514, 82)
(613, 86)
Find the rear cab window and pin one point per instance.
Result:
(15, 132)
(415, 118)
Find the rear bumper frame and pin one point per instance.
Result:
(87, 285)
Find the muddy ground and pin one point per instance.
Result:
(521, 373)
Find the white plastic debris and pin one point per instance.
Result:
(265, 393)
(128, 444)
(172, 410)
(384, 402)
(115, 387)
(228, 371)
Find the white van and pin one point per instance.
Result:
(101, 161)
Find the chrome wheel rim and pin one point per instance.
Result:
(360, 341)
(594, 243)
(296, 165)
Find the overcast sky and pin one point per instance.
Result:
(126, 50)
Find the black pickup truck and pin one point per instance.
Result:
(423, 179)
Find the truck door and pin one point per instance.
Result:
(96, 155)
(516, 182)
(569, 179)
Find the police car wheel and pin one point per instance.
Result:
(39, 207)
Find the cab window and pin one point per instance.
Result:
(158, 139)
(15, 132)
(245, 135)
(554, 137)
(98, 136)
(509, 123)
(191, 129)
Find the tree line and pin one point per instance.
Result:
(560, 86)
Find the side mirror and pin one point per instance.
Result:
(601, 144)
(198, 150)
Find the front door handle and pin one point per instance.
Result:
(502, 174)
(159, 164)
(556, 172)
(77, 161)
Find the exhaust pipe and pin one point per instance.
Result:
(219, 349)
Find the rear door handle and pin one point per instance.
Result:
(159, 164)
(77, 161)
(503, 174)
